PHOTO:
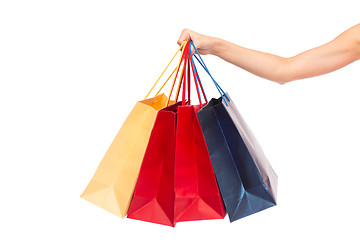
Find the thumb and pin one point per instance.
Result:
(185, 36)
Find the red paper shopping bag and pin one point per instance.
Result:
(176, 180)
(153, 199)
(197, 196)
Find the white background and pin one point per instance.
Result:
(71, 71)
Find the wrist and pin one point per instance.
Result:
(217, 46)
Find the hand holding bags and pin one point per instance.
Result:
(189, 154)
(113, 183)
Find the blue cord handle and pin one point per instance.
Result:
(202, 63)
(216, 85)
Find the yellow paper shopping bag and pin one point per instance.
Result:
(113, 183)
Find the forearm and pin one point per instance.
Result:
(329, 57)
(262, 64)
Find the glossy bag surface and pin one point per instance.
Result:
(197, 195)
(176, 181)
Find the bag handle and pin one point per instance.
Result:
(186, 43)
(189, 82)
(179, 85)
(185, 70)
(197, 78)
(184, 76)
(182, 45)
(165, 82)
(185, 80)
(202, 63)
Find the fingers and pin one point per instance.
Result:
(185, 36)
(201, 42)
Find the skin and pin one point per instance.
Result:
(341, 51)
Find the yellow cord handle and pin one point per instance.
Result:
(167, 68)
(165, 82)
(178, 89)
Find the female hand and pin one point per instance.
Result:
(204, 44)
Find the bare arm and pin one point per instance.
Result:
(329, 57)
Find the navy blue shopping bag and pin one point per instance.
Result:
(245, 177)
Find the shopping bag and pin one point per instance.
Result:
(113, 183)
(197, 196)
(176, 181)
(153, 199)
(245, 177)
